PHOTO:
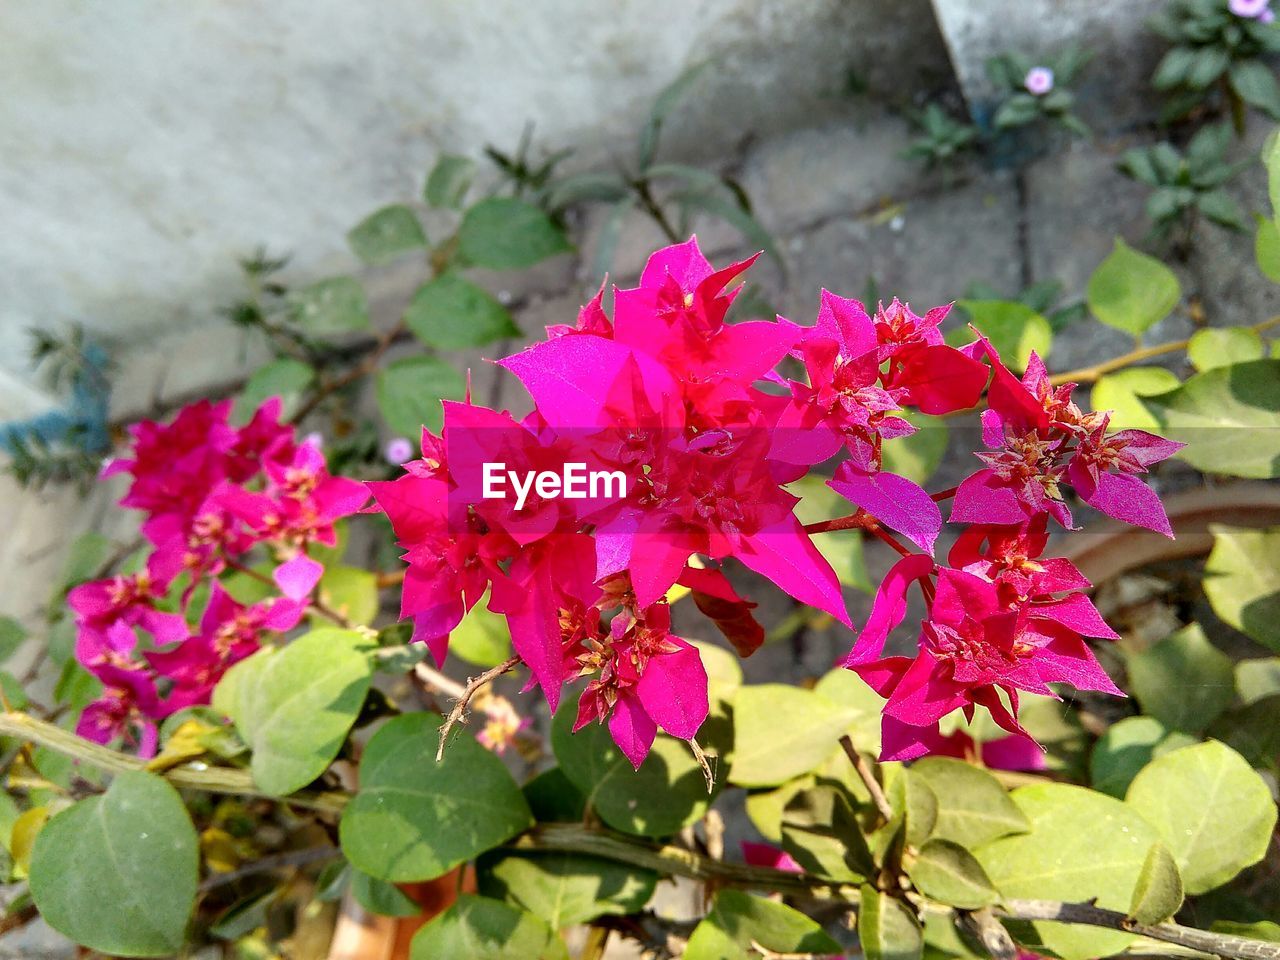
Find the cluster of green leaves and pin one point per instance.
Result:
(943, 139)
(1225, 412)
(1021, 108)
(1188, 184)
(1215, 53)
(671, 194)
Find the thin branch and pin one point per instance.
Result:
(434, 678)
(1091, 373)
(1219, 944)
(460, 706)
(859, 521)
(868, 778)
(365, 367)
(222, 780)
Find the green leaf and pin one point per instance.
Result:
(1266, 249)
(482, 638)
(117, 873)
(415, 819)
(285, 378)
(1271, 160)
(1132, 291)
(452, 313)
(1253, 730)
(1017, 111)
(1256, 679)
(948, 873)
(1209, 63)
(12, 633)
(478, 928)
(846, 689)
(917, 456)
(1242, 580)
(820, 832)
(1219, 207)
(730, 210)
(449, 181)
(378, 896)
(1173, 67)
(911, 794)
(737, 920)
(663, 104)
(565, 888)
(1256, 83)
(1081, 845)
(843, 548)
(89, 553)
(665, 795)
(1013, 328)
(1211, 809)
(1119, 393)
(973, 808)
(1222, 346)
(351, 593)
(1183, 681)
(1126, 748)
(294, 706)
(331, 307)
(503, 233)
(386, 234)
(587, 187)
(410, 390)
(887, 927)
(768, 752)
(1158, 894)
(1227, 418)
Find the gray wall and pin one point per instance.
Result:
(144, 144)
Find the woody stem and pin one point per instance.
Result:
(460, 705)
(859, 521)
(1092, 373)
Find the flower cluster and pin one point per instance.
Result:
(695, 414)
(1002, 618)
(212, 494)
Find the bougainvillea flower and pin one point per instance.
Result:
(767, 855)
(1012, 557)
(1040, 439)
(719, 602)
(1010, 752)
(898, 503)
(129, 599)
(649, 678)
(973, 652)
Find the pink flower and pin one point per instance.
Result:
(649, 678)
(397, 451)
(1039, 440)
(1249, 9)
(502, 724)
(1267, 16)
(975, 650)
(1039, 81)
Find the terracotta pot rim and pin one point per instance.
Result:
(1112, 548)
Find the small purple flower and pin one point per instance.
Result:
(1267, 16)
(1249, 9)
(1039, 80)
(397, 451)
(315, 438)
